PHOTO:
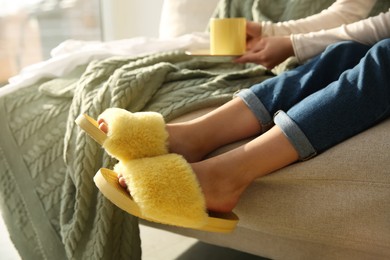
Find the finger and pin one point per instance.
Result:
(248, 57)
(253, 29)
(251, 44)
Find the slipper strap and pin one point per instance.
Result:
(166, 190)
(134, 135)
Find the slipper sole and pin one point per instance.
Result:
(107, 182)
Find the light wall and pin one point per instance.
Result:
(123, 19)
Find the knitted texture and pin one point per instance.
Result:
(49, 201)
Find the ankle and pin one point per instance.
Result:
(222, 186)
(183, 140)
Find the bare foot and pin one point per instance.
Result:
(186, 143)
(220, 195)
(181, 141)
(222, 189)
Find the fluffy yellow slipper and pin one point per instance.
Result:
(163, 189)
(163, 186)
(130, 135)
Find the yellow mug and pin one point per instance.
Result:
(227, 36)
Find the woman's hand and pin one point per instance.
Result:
(253, 34)
(267, 51)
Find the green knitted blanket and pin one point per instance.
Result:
(48, 199)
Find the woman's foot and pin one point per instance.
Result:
(221, 187)
(195, 139)
(228, 123)
(180, 141)
(221, 193)
(183, 141)
(221, 190)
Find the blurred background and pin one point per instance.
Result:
(30, 29)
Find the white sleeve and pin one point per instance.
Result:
(340, 12)
(367, 31)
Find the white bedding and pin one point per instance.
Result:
(71, 53)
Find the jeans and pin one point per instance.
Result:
(336, 95)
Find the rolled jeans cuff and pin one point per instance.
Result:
(295, 135)
(257, 108)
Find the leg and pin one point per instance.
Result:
(231, 122)
(225, 177)
(359, 99)
(289, 88)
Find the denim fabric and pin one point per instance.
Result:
(336, 95)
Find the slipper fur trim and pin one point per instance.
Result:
(166, 190)
(134, 135)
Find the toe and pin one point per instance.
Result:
(103, 126)
(122, 182)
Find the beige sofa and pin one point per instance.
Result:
(334, 206)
